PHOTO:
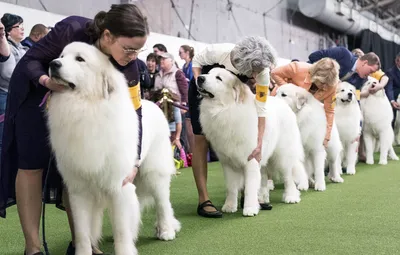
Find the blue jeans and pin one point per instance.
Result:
(3, 102)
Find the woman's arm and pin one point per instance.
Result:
(282, 74)
(329, 113)
(182, 86)
(37, 59)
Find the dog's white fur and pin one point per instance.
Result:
(348, 118)
(377, 118)
(311, 120)
(94, 135)
(229, 121)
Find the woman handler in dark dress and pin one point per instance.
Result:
(120, 33)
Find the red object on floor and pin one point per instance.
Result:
(189, 159)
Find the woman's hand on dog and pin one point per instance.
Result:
(130, 177)
(54, 86)
(256, 154)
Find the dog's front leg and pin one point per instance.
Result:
(369, 147)
(81, 207)
(252, 185)
(125, 218)
(319, 162)
(351, 152)
(386, 140)
(234, 181)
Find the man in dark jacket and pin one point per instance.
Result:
(393, 87)
(38, 31)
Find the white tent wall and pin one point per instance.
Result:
(33, 16)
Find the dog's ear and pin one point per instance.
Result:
(239, 90)
(107, 86)
(300, 100)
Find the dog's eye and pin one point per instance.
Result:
(342, 90)
(219, 78)
(79, 59)
(283, 95)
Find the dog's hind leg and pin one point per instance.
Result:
(263, 193)
(125, 217)
(369, 147)
(166, 225)
(81, 207)
(319, 171)
(252, 180)
(291, 194)
(334, 168)
(392, 154)
(386, 140)
(351, 152)
(300, 175)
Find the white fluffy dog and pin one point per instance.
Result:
(311, 120)
(348, 118)
(377, 118)
(229, 119)
(94, 134)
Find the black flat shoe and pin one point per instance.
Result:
(264, 206)
(206, 214)
(71, 250)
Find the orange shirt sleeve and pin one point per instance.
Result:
(282, 74)
(329, 112)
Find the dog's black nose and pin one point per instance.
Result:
(350, 94)
(55, 65)
(200, 80)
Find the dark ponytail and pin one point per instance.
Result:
(121, 20)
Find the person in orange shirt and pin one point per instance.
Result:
(320, 79)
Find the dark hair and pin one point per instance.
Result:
(38, 29)
(189, 49)
(160, 47)
(152, 56)
(9, 20)
(121, 20)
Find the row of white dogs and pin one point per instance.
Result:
(94, 135)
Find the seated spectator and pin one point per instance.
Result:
(38, 31)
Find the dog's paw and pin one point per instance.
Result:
(369, 161)
(270, 185)
(303, 186)
(320, 186)
(263, 195)
(382, 162)
(229, 208)
(166, 234)
(394, 158)
(351, 170)
(311, 183)
(176, 225)
(251, 211)
(336, 179)
(291, 197)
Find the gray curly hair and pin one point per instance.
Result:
(253, 54)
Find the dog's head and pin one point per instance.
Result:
(295, 96)
(82, 67)
(371, 83)
(222, 86)
(345, 93)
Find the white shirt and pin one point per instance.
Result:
(221, 54)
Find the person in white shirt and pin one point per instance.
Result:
(251, 58)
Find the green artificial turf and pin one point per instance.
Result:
(360, 216)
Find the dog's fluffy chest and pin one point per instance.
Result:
(93, 140)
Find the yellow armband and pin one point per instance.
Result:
(135, 96)
(358, 95)
(261, 93)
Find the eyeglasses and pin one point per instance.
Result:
(21, 26)
(131, 51)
